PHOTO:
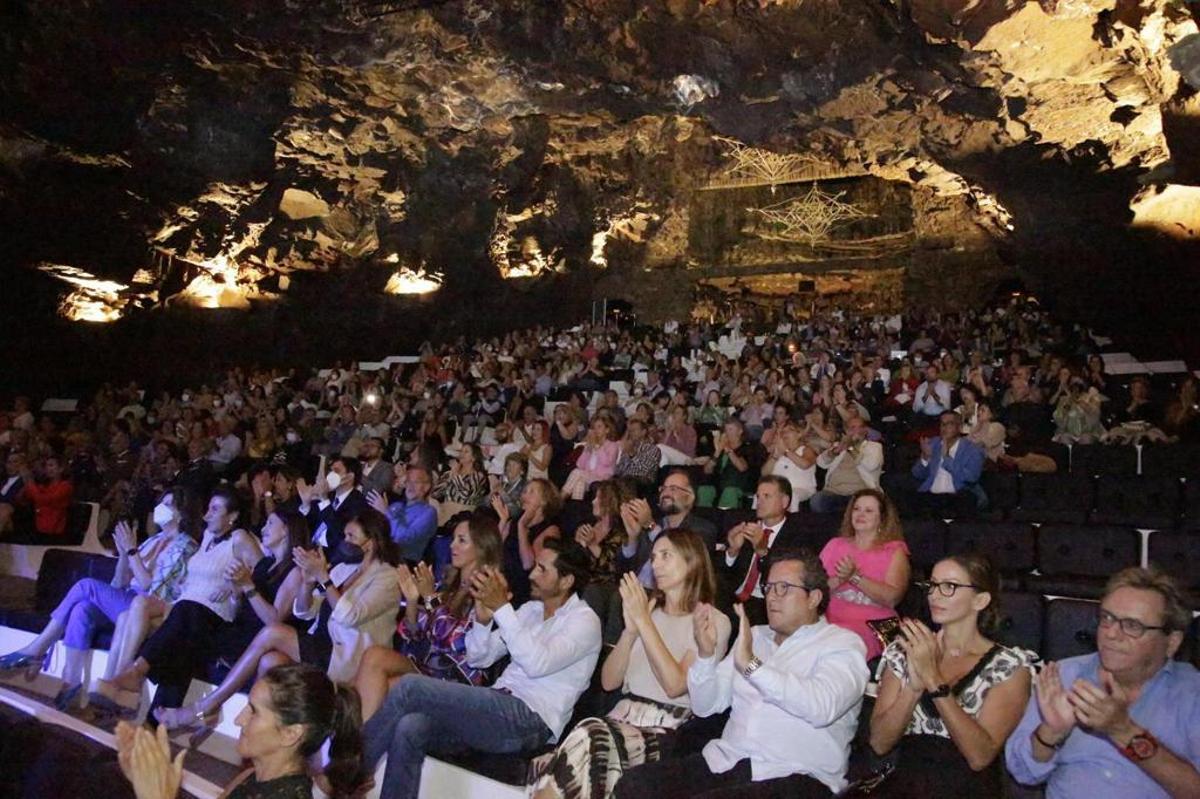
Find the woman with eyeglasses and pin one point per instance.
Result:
(868, 566)
(948, 700)
(649, 665)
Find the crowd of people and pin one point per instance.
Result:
(575, 477)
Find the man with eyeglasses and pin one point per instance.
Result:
(676, 499)
(793, 687)
(1125, 721)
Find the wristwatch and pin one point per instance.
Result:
(940, 691)
(1142, 746)
(752, 666)
(323, 587)
(129, 553)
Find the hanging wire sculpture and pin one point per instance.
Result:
(808, 219)
(751, 166)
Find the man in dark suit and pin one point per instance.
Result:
(198, 474)
(676, 499)
(749, 543)
(331, 503)
(377, 473)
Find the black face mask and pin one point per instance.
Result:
(350, 553)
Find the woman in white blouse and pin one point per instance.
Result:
(794, 461)
(649, 664)
(351, 607)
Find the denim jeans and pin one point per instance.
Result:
(422, 715)
(90, 606)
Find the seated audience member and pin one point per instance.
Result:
(332, 502)
(749, 543)
(794, 461)
(1139, 419)
(712, 413)
(930, 399)
(1181, 419)
(351, 607)
(432, 632)
(597, 460)
(1077, 415)
(794, 688)
(206, 603)
(465, 486)
(50, 496)
(735, 465)
(537, 452)
(413, 521)
(649, 665)
(525, 537)
(639, 457)
(292, 713)
(988, 434)
(947, 473)
(563, 434)
(868, 566)
(511, 484)
(949, 700)
(968, 409)
(900, 392)
(678, 435)
(553, 642)
(676, 498)
(268, 591)
(603, 540)
(11, 488)
(851, 465)
(228, 445)
(155, 570)
(377, 473)
(1120, 722)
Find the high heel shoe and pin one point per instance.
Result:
(198, 726)
(68, 698)
(19, 662)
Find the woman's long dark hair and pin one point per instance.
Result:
(377, 528)
(298, 533)
(303, 694)
(191, 515)
(489, 551)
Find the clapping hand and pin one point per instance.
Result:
(423, 574)
(1054, 702)
(756, 535)
(636, 606)
(744, 648)
(124, 537)
(408, 585)
(145, 760)
(312, 563)
(304, 491)
(704, 628)
(490, 592)
(924, 653)
(1103, 708)
(583, 535)
(846, 569)
(238, 575)
(377, 501)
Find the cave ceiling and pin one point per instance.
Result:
(210, 154)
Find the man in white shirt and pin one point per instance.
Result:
(931, 399)
(228, 444)
(554, 643)
(793, 687)
(851, 465)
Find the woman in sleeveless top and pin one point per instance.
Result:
(267, 596)
(649, 664)
(207, 602)
(949, 700)
(523, 538)
(348, 608)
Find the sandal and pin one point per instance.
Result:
(67, 698)
(29, 665)
(110, 698)
(198, 725)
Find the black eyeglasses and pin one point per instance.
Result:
(781, 588)
(945, 588)
(1131, 627)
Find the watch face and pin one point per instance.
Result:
(1142, 747)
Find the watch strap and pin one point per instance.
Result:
(940, 691)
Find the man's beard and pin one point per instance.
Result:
(668, 506)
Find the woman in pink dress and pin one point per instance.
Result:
(868, 566)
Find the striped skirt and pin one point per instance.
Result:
(588, 763)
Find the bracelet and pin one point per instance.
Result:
(129, 553)
(250, 592)
(1045, 743)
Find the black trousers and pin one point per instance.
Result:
(181, 645)
(689, 777)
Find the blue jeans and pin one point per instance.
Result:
(422, 714)
(827, 502)
(90, 606)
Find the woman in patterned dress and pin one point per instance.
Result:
(434, 626)
(949, 700)
(649, 664)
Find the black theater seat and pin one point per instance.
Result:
(1076, 561)
(1009, 545)
(926, 539)
(60, 569)
(1022, 617)
(1111, 459)
(1191, 505)
(1143, 502)
(1170, 460)
(1003, 493)
(1178, 554)
(1070, 628)
(1064, 498)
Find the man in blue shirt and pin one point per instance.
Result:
(413, 521)
(1125, 721)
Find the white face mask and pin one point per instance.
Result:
(333, 480)
(292, 437)
(163, 515)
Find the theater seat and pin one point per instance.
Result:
(1062, 498)
(926, 539)
(1009, 545)
(1102, 459)
(1170, 460)
(1077, 561)
(1022, 616)
(1178, 554)
(1191, 505)
(60, 569)
(1070, 628)
(1143, 502)
(1003, 493)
